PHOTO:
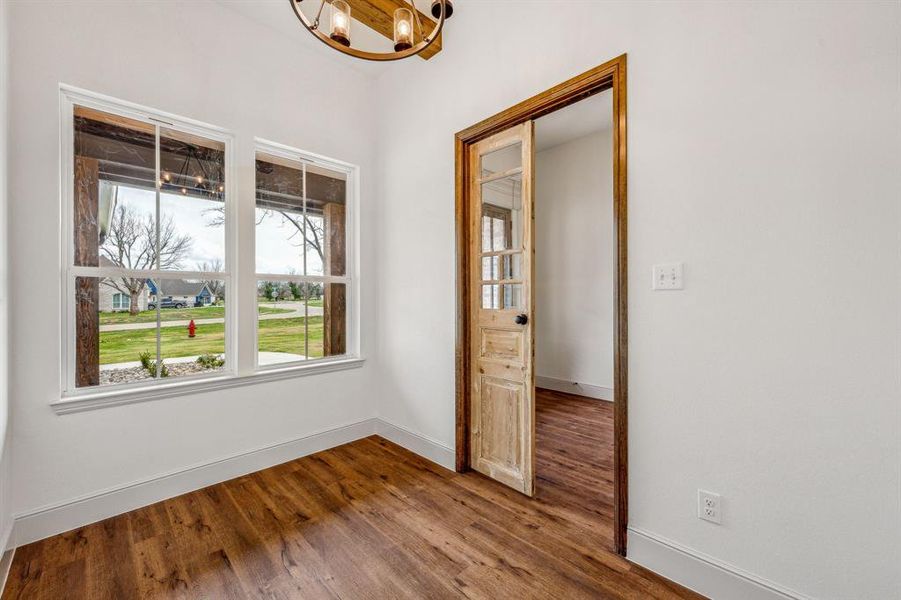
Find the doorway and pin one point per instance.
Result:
(575, 271)
(496, 392)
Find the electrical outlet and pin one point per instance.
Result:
(710, 507)
(667, 277)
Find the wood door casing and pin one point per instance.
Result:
(610, 75)
(502, 426)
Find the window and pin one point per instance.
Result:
(302, 260)
(145, 209)
(121, 301)
(150, 291)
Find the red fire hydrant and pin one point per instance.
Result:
(191, 328)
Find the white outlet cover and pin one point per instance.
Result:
(710, 507)
(667, 277)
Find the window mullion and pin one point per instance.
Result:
(159, 282)
(306, 286)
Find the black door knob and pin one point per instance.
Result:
(521, 319)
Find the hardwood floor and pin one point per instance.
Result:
(365, 520)
(574, 463)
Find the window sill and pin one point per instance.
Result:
(81, 402)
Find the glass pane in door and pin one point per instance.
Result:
(502, 224)
(506, 266)
(501, 160)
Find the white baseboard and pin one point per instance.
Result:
(6, 561)
(77, 512)
(702, 573)
(6, 538)
(573, 387)
(419, 444)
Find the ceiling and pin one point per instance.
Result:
(577, 120)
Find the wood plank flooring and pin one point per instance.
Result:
(365, 520)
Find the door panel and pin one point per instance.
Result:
(502, 427)
(498, 344)
(500, 406)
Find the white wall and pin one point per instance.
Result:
(205, 61)
(575, 261)
(764, 153)
(5, 454)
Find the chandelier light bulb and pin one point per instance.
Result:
(403, 29)
(340, 22)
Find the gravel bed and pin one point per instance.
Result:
(133, 374)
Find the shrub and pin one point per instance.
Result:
(211, 361)
(150, 365)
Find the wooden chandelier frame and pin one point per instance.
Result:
(427, 40)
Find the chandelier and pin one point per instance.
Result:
(409, 34)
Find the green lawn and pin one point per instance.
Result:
(275, 335)
(286, 335)
(176, 314)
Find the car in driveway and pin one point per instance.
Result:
(167, 302)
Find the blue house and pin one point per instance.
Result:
(181, 292)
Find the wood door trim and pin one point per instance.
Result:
(610, 75)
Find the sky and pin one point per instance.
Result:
(279, 249)
(280, 253)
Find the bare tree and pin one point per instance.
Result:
(131, 243)
(216, 286)
(311, 228)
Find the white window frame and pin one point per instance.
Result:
(351, 277)
(69, 98)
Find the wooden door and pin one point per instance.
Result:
(502, 427)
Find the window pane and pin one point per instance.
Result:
(502, 160)
(491, 296)
(490, 268)
(281, 322)
(506, 266)
(187, 350)
(332, 322)
(502, 214)
(114, 194)
(192, 202)
(280, 228)
(107, 349)
(295, 237)
(326, 240)
(511, 295)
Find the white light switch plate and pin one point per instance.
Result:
(667, 277)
